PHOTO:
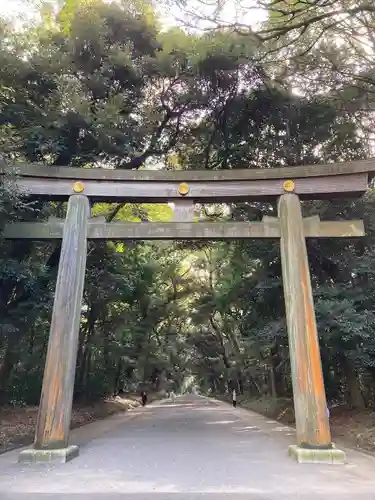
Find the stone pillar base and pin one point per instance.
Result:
(33, 456)
(317, 456)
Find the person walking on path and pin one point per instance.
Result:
(234, 398)
(144, 398)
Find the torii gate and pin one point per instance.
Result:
(184, 188)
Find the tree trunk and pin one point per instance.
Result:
(240, 382)
(117, 377)
(272, 381)
(87, 392)
(219, 336)
(85, 339)
(355, 396)
(255, 385)
(6, 368)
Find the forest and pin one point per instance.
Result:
(96, 84)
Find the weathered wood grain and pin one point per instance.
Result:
(183, 211)
(207, 191)
(99, 229)
(52, 430)
(313, 227)
(329, 169)
(310, 405)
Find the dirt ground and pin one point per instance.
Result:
(17, 425)
(352, 428)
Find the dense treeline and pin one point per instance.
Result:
(97, 84)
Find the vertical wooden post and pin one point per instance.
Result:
(52, 430)
(183, 211)
(310, 405)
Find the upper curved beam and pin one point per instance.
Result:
(251, 174)
(311, 182)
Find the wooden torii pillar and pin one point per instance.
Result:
(78, 186)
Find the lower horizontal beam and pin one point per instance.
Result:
(269, 228)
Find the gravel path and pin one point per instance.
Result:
(190, 450)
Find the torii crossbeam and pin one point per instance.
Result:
(184, 188)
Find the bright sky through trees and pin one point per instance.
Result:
(15, 7)
(233, 11)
